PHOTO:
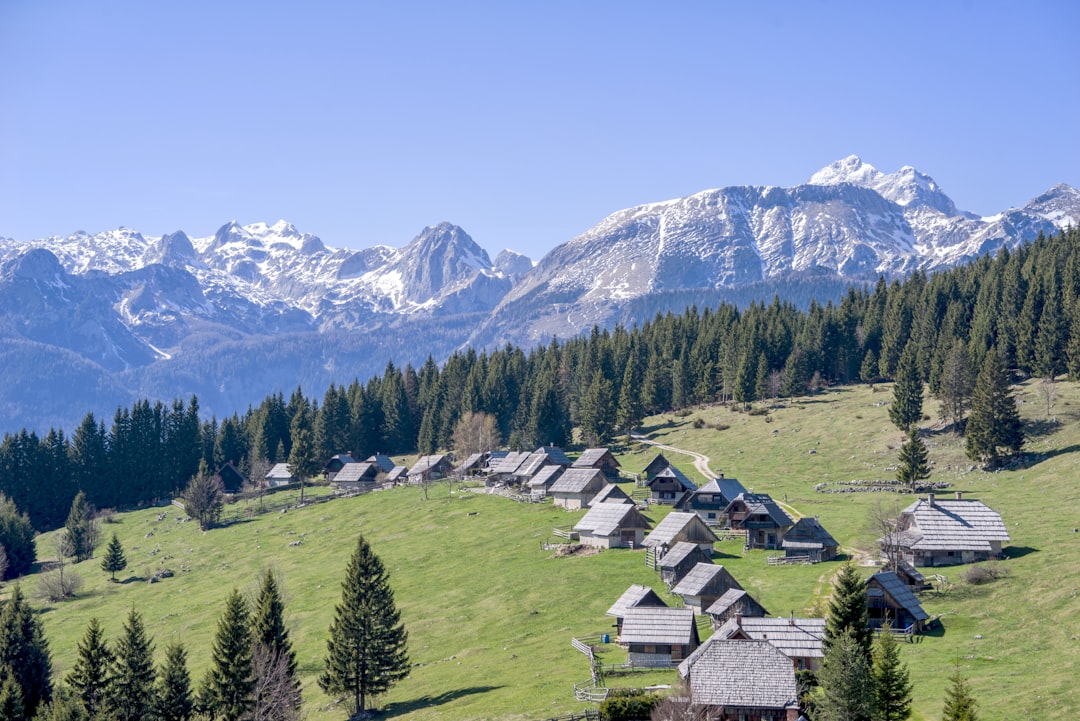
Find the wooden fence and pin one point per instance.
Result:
(787, 560)
(586, 715)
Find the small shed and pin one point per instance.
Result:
(676, 527)
(279, 476)
(890, 600)
(711, 500)
(734, 601)
(601, 459)
(739, 680)
(397, 474)
(612, 525)
(800, 639)
(809, 538)
(659, 637)
(656, 465)
(335, 464)
(764, 522)
(471, 466)
(703, 585)
(541, 483)
(385, 463)
(576, 487)
(678, 561)
(356, 477)
(232, 480)
(633, 597)
(669, 486)
(611, 493)
(430, 468)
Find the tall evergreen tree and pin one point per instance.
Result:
(892, 684)
(366, 651)
(275, 660)
(80, 531)
(845, 680)
(913, 466)
(960, 704)
(12, 703)
(16, 538)
(132, 692)
(174, 699)
(993, 428)
(906, 408)
(302, 460)
(204, 498)
(847, 609)
(91, 676)
(24, 652)
(957, 384)
(114, 558)
(230, 683)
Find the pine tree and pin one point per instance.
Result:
(957, 384)
(204, 498)
(892, 685)
(993, 428)
(80, 535)
(366, 652)
(114, 558)
(174, 700)
(847, 609)
(868, 371)
(906, 408)
(17, 538)
(24, 652)
(230, 683)
(132, 692)
(90, 678)
(845, 679)
(302, 461)
(12, 703)
(913, 466)
(959, 705)
(275, 659)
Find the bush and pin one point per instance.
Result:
(57, 585)
(758, 412)
(978, 575)
(630, 705)
(699, 423)
(721, 426)
(108, 515)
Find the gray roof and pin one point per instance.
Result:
(679, 553)
(356, 472)
(657, 464)
(475, 460)
(705, 579)
(658, 625)
(604, 519)
(749, 674)
(510, 462)
(426, 463)
(611, 493)
(729, 488)
(673, 524)
(385, 463)
(577, 480)
(397, 473)
(545, 476)
(673, 473)
(590, 457)
(808, 533)
(555, 454)
(731, 597)
(636, 595)
(953, 525)
(532, 463)
(900, 593)
(763, 504)
(280, 471)
(795, 637)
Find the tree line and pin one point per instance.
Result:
(1021, 305)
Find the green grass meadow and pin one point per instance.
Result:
(490, 614)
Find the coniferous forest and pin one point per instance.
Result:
(1021, 303)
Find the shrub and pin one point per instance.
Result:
(630, 705)
(57, 585)
(721, 426)
(699, 423)
(759, 411)
(978, 575)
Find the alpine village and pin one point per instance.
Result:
(858, 510)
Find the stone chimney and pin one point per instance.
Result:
(930, 499)
(738, 618)
(959, 495)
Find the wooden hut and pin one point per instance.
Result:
(711, 500)
(740, 680)
(800, 639)
(356, 478)
(659, 637)
(703, 585)
(678, 561)
(676, 527)
(600, 459)
(734, 601)
(758, 515)
(612, 525)
(936, 532)
(810, 539)
(633, 597)
(669, 486)
(576, 487)
(890, 600)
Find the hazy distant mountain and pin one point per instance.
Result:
(88, 322)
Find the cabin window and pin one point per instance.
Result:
(712, 516)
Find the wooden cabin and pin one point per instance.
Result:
(612, 525)
(741, 680)
(800, 639)
(611, 493)
(384, 462)
(333, 466)
(936, 532)
(734, 601)
(678, 561)
(659, 637)
(669, 486)
(232, 480)
(600, 459)
(545, 478)
(633, 597)
(576, 487)
(703, 585)
(430, 468)
(711, 500)
(280, 476)
(681, 527)
(356, 478)
(810, 539)
(890, 600)
(758, 515)
(656, 465)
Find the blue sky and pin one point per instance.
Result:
(525, 123)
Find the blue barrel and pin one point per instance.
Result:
(605, 638)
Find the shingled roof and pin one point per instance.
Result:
(673, 473)
(763, 504)
(951, 525)
(357, 472)
(633, 597)
(604, 519)
(678, 553)
(747, 674)
(794, 637)
(808, 533)
(673, 524)
(611, 493)
(592, 456)
(510, 462)
(729, 488)
(545, 477)
(731, 597)
(574, 480)
(705, 579)
(658, 625)
(900, 592)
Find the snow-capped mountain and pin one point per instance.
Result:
(850, 220)
(257, 308)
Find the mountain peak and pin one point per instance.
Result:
(851, 169)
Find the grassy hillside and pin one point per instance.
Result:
(490, 614)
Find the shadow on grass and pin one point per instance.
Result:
(1033, 459)
(1017, 551)
(1042, 427)
(404, 708)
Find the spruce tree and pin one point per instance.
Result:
(230, 683)
(204, 498)
(906, 408)
(12, 704)
(913, 466)
(868, 371)
(957, 384)
(132, 693)
(959, 705)
(845, 680)
(847, 609)
(114, 557)
(91, 676)
(24, 652)
(174, 700)
(993, 428)
(17, 538)
(366, 651)
(275, 660)
(892, 685)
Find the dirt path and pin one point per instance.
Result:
(701, 463)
